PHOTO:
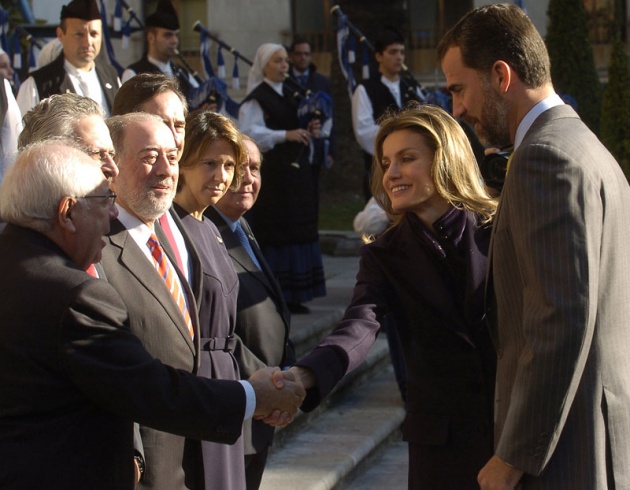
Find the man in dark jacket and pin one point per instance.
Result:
(73, 376)
(76, 69)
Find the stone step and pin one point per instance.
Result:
(331, 447)
(387, 470)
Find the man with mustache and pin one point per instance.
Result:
(76, 68)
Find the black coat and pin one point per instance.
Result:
(52, 79)
(286, 211)
(448, 354)
(74, 377)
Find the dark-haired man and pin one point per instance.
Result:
(162, 34)
(373, 97)
(76, 69)
(560, 265)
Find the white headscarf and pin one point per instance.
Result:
(263, 55)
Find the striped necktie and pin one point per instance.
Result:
(170, 279)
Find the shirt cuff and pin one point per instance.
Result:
(250, 396)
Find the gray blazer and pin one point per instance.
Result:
(172, 462)
(560, 264)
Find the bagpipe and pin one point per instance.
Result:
(348, 36)
(212, 90)
(12, 36)
(310, 105)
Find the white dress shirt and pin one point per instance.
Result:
(251, 121)
(85, 83)
(363, 123)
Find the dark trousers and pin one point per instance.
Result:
(254, 468)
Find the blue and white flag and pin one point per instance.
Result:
(108, 41)
(118, 17)
(204, 48)
(521, 3)
(343, 33)
(220, 64)
(236, 83)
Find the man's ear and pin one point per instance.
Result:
(64, 213)
(59, 33)
(501, 75)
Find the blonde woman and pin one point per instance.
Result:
(427, 271)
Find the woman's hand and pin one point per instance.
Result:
(299, 136)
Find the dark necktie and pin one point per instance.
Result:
(303, 79)
(242, 237)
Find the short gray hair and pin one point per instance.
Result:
(56, 116)
(117, 127)
(43, 174)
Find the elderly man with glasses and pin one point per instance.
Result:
(73, 375)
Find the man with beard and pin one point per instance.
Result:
(560, 266)
(162, 311)
(73, 376)
(76, 68)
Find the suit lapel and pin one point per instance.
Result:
(134, 260)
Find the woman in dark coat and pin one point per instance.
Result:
(428, 272)
(285, 218)
(211, 162)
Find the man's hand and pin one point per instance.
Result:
(497, 475)
(278, 395)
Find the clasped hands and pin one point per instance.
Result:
(279, 394)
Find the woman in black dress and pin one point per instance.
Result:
(211, 162)
(285, 218)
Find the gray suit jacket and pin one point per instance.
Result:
(560, 265)
(262, 322)
(172, 462)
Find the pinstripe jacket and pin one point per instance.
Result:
(560, 264)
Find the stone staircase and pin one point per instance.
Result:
(353, 439)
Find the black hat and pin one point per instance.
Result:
(81, 9)
(164, 16)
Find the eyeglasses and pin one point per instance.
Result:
(111, 196)
(100, 154)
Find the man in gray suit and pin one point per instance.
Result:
(147, 157)
(262, 322)
(560, 265)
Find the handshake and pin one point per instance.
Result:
(279, 394)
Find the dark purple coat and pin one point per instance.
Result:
(448, 354)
